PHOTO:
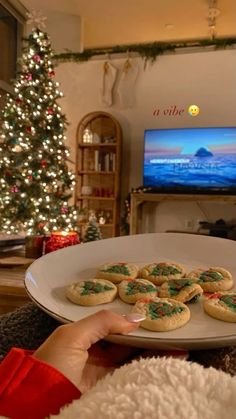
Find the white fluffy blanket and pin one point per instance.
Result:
(160, 388)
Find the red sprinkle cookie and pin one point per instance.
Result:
(132, 291)
(162, 314)
(184, 290)
(212, 279)
(117, 272)
(91, 292)
(221, 306)
(162, 272)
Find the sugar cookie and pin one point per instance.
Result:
(132, 291)
(221, 306)
(117, 272)
(184, 290)
(162, 272)
(212, 279)
(91, 292)
(162, 314)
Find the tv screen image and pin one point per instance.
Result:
(190, 159)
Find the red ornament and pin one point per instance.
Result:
(19, 101)
(36, 58)
(64, 210)
(51, 73)
(28, 77)
(28, 129)
(30, 177)
(43, 163)
(50, 111)
(14, 189)
(41, 225)
(61, 239)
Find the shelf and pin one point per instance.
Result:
(98, 145)
(93, 172)
(96, 198)
(98, 165)
(138, 199)
(99, 225)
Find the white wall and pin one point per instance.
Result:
(207, 79)
(64, 29)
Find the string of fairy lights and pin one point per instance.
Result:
(33, 171)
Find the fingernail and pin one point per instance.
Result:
(135, 317)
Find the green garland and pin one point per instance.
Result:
(149, 51)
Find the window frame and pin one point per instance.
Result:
(19, 12)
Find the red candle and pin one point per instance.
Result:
(61, 239)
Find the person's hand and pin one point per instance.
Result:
(66, 349)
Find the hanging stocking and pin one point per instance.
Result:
(108, 81)
(126, 84)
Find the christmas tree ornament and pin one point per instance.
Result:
(37, 58)
(17, 148)
(14, 189)
(28, 77)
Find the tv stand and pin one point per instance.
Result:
(138, 199)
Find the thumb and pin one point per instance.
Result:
(88, 331)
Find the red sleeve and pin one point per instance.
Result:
(30, 388)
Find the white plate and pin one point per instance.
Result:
(47, 278)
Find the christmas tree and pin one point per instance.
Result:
(92, 232)
(36, 183)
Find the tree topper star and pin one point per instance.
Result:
(36, 19)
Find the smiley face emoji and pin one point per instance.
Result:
(193, 110)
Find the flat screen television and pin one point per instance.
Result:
(190, 160)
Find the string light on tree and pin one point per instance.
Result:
(35, 181)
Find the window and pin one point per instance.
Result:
(8, 40)
(12, 18)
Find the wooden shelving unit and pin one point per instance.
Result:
(98, 168)
(139, 199)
